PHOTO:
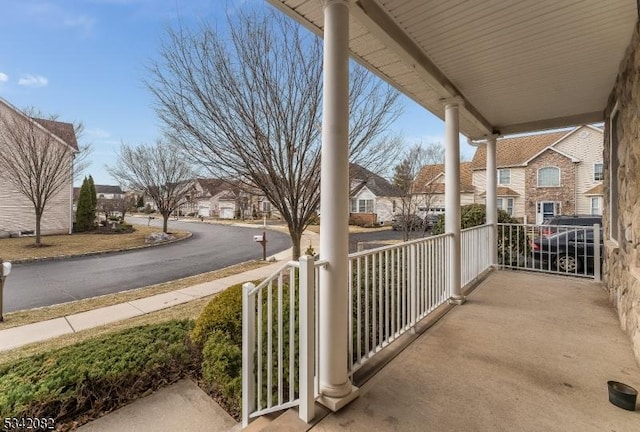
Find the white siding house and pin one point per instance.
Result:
(17, 213)
(373, 199)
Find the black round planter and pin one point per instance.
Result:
(622, 395)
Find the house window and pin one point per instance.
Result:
(549, 177)
(266, 206)
(613, 175)
(504, 176)
(598, 172)
(505, 204)
(365, 206)
(595, 206)
(361, 205)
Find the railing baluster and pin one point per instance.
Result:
(292, 330)
(280, 356)
(270, 345)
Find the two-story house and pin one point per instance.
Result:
(17, 214)
(543, 175)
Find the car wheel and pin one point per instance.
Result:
(568, 263)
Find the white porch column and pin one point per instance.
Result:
(335, 386)
(452, 194)
(491, 200)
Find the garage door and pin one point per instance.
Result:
(204, 211)
(226, 213)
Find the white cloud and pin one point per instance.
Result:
(3, 77)
(29, 80)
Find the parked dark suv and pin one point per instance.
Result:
(550, 225)
(567, 244)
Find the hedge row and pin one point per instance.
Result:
(99, 375)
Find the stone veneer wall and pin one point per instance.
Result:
(621, 270)
(565, 194)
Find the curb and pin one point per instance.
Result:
(63, 257)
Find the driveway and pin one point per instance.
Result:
(210, 248)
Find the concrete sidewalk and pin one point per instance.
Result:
(23, 335)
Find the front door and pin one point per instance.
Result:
(546, 210)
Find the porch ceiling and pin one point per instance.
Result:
(519, 66)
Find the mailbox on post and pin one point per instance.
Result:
(262, 239)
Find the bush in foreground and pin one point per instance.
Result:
(223, 313)
(81, 381)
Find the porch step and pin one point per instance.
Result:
(287, 421)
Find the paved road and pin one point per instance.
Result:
(212, 247)
(374, 236)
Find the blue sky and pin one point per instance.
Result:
(84, 60)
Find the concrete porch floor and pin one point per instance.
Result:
(527, 352)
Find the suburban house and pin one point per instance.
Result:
(428, 188)
(373, 200)
(16, 211)
(546, 174)
(226, 199)
(488, 69)
(102, 192)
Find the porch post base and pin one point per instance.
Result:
(337, 403)
(458, 300)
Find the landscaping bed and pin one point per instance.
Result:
(21, 248)
(77, 383)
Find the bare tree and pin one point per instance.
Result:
(39, 157)
(412, 177)
(249, 108)
(159, 171)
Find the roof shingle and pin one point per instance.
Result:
(515, 151)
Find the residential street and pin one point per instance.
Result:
(212, 247)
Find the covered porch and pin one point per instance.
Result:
(487, 69)
(528, 352)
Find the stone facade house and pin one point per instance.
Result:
(373, 200)
(17, 215)
(621, 188)
(547, 174)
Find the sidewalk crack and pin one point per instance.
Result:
(73, 329)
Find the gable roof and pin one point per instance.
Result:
(65, 131)
(429, 173)
(62, 132)
(516, 151)
(375, 183)
(108, 189)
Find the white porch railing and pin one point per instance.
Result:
(279, 343)
(475, 251)
(391, 289)
(559, 249)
